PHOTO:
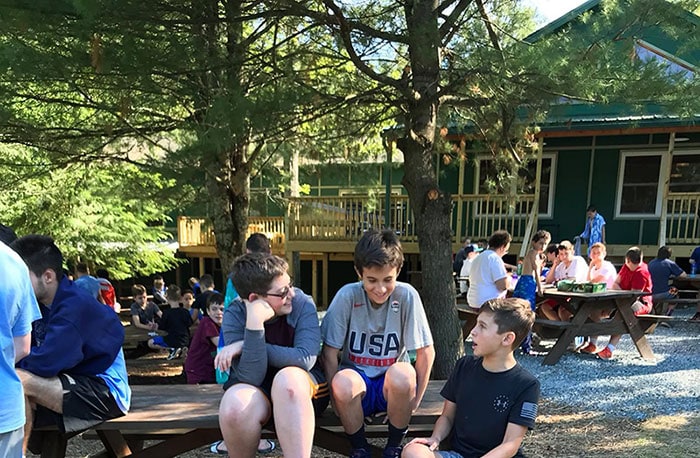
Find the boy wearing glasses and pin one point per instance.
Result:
(272, 342)
(370, 327)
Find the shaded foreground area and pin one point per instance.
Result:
(561, 431)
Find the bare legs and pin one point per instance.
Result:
(348, 388)
(47, 392)
(245, 409)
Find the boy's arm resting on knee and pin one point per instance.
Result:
(511, 442)
(442, 429)
(425, 357)
(224, 357)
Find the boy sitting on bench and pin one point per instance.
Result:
(490, 400)
(272, 348)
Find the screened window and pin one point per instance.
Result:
(639, 185)
(685, 173)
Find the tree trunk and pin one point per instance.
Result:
(228, 183)
(431, 206)
(230, 192)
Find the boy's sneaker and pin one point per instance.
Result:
(174, 353)
(605, 353)
(579, 341)
(695, 318)
(590, 348)
(360, 453)
(392, 452)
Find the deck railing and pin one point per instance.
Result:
(347, 217)
(199, 232)
(682, 219)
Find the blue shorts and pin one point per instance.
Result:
(373, 401)
(158, 340)
(526, 288)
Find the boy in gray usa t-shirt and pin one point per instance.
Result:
(371, 325)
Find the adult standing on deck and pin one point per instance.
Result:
(488, 278)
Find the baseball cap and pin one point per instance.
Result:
(472, 248)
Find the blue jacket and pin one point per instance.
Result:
(76, 335)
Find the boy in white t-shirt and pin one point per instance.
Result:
(370, 327)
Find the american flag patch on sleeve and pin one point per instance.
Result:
(529, 410)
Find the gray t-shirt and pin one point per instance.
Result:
(372, 339)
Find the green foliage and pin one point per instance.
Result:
(106, 216)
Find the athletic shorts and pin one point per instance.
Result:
(320, 396)
(86, 402)
(11, 443)
(373, 401)
(158, 340)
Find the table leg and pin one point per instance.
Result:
(115, 444)
(631, 323)
(567, 336)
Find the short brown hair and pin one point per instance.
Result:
(511, 315)
(601, 246)
(634, 255)
(255, 272)
(565, 245)
(138, 290)
(173, 293)
(499, 239)
(378, 248)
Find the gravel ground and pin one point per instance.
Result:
(627, 385)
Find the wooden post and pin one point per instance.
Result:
(314, 278)
(459, 233)
(324, 279)
(532, 223)
(296, 267)
(666, 169)
(387, 177)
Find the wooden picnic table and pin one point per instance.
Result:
(582, 305)
(134, 335)
(186, 417)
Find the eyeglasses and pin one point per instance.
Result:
(282, 294)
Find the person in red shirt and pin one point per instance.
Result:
(634, 275)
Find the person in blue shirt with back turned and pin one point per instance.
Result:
(74, 376)
(18, 308)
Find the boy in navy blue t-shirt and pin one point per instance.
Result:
(496, 397)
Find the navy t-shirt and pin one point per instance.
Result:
(486, 403)
(661, 271)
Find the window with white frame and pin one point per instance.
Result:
(489, 181)
(639, 190)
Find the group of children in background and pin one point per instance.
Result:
(176, 316)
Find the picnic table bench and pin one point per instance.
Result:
(185, 417)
